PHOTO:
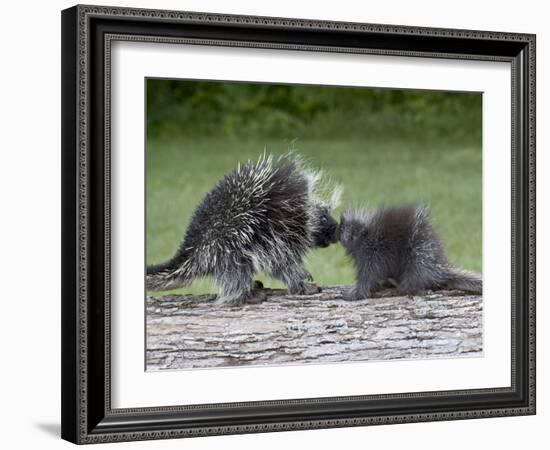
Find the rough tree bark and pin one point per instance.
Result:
(189, 332)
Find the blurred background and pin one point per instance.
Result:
(385, 146)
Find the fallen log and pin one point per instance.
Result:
(186, 332)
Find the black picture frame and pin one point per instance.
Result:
(87, 415)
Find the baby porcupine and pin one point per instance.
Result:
(262, 217)
(399, 245)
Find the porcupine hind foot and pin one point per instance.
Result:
(238, 297)
(308, 288)
(297, 279)
(237, 287)
(252, 297)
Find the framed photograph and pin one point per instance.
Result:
(278, 224)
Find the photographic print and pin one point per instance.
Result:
(298, 224)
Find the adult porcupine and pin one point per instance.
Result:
(399, 245)
(262, 217)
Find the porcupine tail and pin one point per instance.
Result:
(464, 280)
(172, 274)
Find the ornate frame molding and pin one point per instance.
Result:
(87, 38)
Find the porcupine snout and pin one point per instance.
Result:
(326, 231)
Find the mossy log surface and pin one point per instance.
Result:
(185, 332)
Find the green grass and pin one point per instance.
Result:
(373, 172)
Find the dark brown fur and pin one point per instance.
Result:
(399, 245)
